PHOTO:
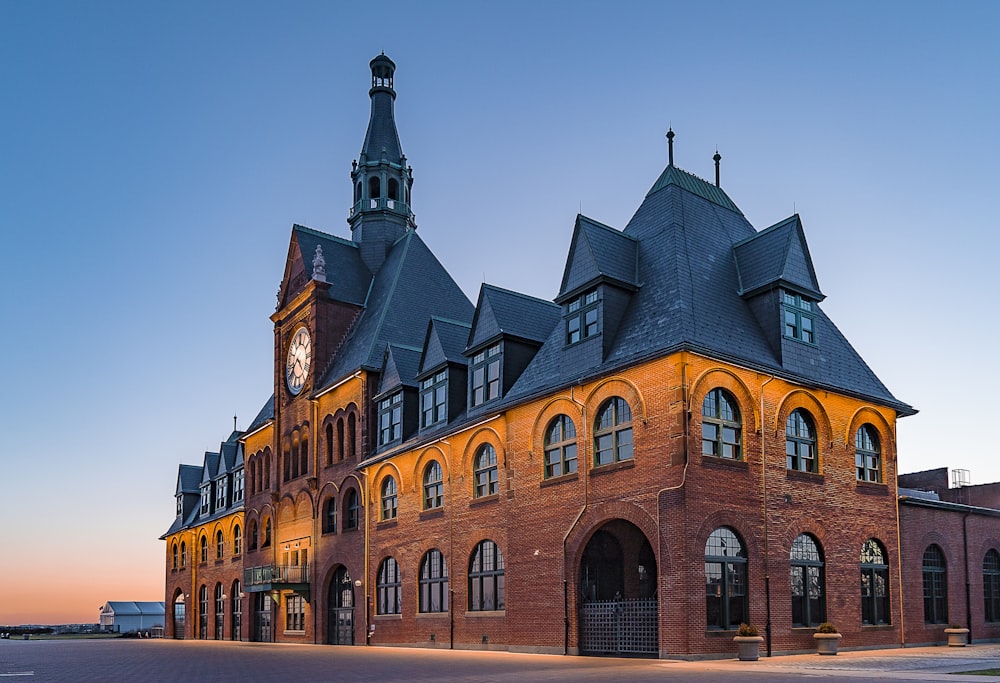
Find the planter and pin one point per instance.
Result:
(748, 647)
(827, 643)
(956, 636)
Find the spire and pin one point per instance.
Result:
(670, 146)
(382, 136)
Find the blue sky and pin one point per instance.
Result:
(155, 155)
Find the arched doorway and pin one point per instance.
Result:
(617, 589)
(179, 619)
(262, 607)
(340, 608)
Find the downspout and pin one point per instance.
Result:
(968, 596)
(367, 505)
(451, 554)
(899, 559)
(763, 485)
(586, 491)
(316, 520)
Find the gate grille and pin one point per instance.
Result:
(619, 627)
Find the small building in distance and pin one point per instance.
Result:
(120, 616)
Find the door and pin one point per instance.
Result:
(340, 608)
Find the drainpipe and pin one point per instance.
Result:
(899, 552)
(586, 490)
(968, 597)
(763, 507)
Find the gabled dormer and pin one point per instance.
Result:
(507, 331)
(188, 491)
(777, 279)
(601, 274)
(396, 401)
(208, 473)
(443, 372)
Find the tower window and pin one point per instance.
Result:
(393, 187)
(374, 187)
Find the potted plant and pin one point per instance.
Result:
(748, 640)
(827, 638)
(956, 635)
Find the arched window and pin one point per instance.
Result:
(203, 612)
(267, 534)
(220, 611)
(340, 439)
(220, 545)
(387, 587)
(184, 554)
(726, 605)
(374, 188)
(237, 611)
(433, 582)
(329, 443)
(330, 516)
(174, 550)
(237, 540)
(991, 585)
(721, 427)
(808, 582)
(935, 572)
(304, 454)
(389, 501)
(393, 188)
(352, 509)
(286, 460)
(800, 442)
(203, 543)
(613, 432)
(560, 447)
(267, 469)
(433, 486)
(357, 192)
(253, 535)
(352, 433)
(867, 454)
(485, 472)
(874, 584)
(486, 578)
(252, 467)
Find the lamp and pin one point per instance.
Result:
(357, 583)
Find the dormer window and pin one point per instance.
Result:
(799, 314)
(434, 399)
(220, 493)
(486, 375)
(238, 486)
(206, 499)
(390, 419)
(581, 317)
(180, 505)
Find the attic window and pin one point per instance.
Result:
(434, 399)
(180, 505)
(220, 493)
(486, 375)
(582, 318)
(390, 419)
(799, 317)
(206, 499)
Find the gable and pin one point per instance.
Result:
(775, 257)
(598, 251)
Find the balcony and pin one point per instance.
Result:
(273, 577)
(383, 203)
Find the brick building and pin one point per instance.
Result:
(681, 441)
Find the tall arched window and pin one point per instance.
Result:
(486, 578)
(433, 486)
(203, 612)
(340, 439)
(374, 187)
(613, 432)
(174, 550)
(867, 454)
(560, 447)
(237, 540)
(267, 534)
(726, 604)
(352, 435)
(253, 535)
(721, 428)
(237, 611)
(874, 584)
(329, 443)
(991, 586)
(800, 442)
(267, 468)
(387, 587)
(184, 555)
(485, 472)
(808, 582)
(330, 516)
(220, 545)
(393, 188)
(203, 544)
(252, 468)
(389, 500)
(935, 573)
(220, 611)
(433, 582)
(304, 454)
(352, 509)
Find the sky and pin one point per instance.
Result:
(154, 156)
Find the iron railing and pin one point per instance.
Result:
(275, 574)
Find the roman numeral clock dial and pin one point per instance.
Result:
(299, 360)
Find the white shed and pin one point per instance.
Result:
(127, 617)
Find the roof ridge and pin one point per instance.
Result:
(319, 233)
(518, 294)
(450, 320)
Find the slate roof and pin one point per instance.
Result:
(444, 343)
(503, 312)
(777, 256)
(346, 273)
(598, 251)
(265, 415)
(401, 365)
(188, 479)
(381, 135)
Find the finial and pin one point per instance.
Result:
(717, 158)
(319, 265)
(234, 422)
(670, 146)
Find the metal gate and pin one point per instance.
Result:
(620, 627)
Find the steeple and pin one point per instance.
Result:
(381, 178)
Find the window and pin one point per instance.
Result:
(808, 583)
(935, 586)
(174, 550)
(433, 582)
(726, 604)
(485, 375)
(798, 317)
(184, 554)
(351, 509)
(180, 505)
(874, 584)
(237, 611)
(721, 428)
(328, 430)
(387, 587)
(560, 447)
(800, 442)
(389, 500)
(485, 472)
(340, 439)
(433, 486)
(330, 516)
(295, 613)
(304, 454)
(220, 611)
(267, 534)
(238, 479)
(434, 399)
(220, 493)
(352, 435)
(203, 612)
(991, 585)
(220, 545)
(253, 535)
(867, 456)
(613, 432)
(581, 317)
(204, 548)
(237, 540)
(206, 499)
(390, 419)
(486, 579)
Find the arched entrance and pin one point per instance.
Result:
(262, 607)
(340, 608)
(179, 619)
(617, 588)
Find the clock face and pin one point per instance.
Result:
(299, 360)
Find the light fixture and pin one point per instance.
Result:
(357, 583)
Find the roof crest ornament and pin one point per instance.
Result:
(670, 146)
(319, 265)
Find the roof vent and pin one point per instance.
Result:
(959, 478)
